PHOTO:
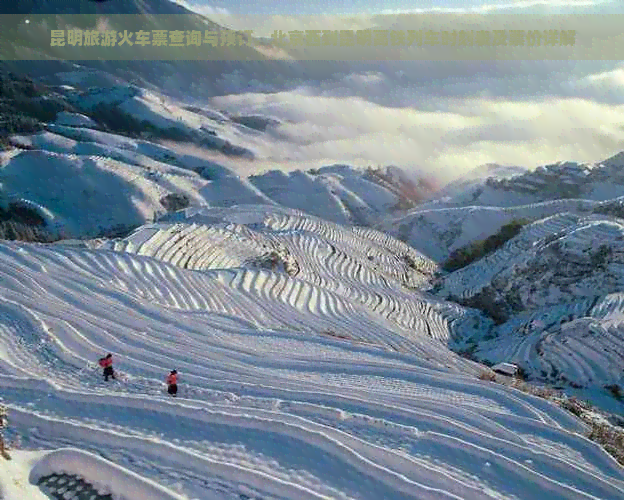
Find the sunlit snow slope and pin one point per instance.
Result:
(86, 182)
(325, 376)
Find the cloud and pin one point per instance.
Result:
(430, 83)
(450, 140)
(606, 81)
(440, 116)
(218, 15)
(503, 6)
(613, 78)
(265, 25)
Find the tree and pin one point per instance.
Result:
(476, 250)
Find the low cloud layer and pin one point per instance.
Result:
(443, 135)
(440, 116)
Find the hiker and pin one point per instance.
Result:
(3, 425)
(107, 364)
(172, 383)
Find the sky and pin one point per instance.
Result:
(354, 7)
(439, 116)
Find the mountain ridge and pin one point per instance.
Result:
(322, 349)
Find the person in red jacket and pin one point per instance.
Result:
(172, 383)
(107, 364)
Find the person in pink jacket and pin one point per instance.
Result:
(107, 363)
(172, 383)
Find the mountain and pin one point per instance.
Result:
(547, 273)
(563, 180)
(555, 289)
(109, 140)
(314, 372)
(26, 30)
(331, 326)
(472, 181)
(107, 172)
(87, 14)
(447, 223)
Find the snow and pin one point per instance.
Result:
(568, 322)
(102, 474)
(508, 187)
(19, 477)
(75, 120)
(331, 382)
(74, 189)
(165, 114)
(148, 108)
(15, 477)
(339, 195)
(112, 95)
(87, 169)
(314, 358)
(438, 231)
(475, 179)
(45, 140)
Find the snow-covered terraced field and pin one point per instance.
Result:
(360, 265)
(85, 194)
(563, 275)
(518, 251)
(578, 342)
(292, 386)
(436, 232)
(313, 364)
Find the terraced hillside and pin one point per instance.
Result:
(317, 258)
(557, 286)
(437, 232)
(292, 384)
